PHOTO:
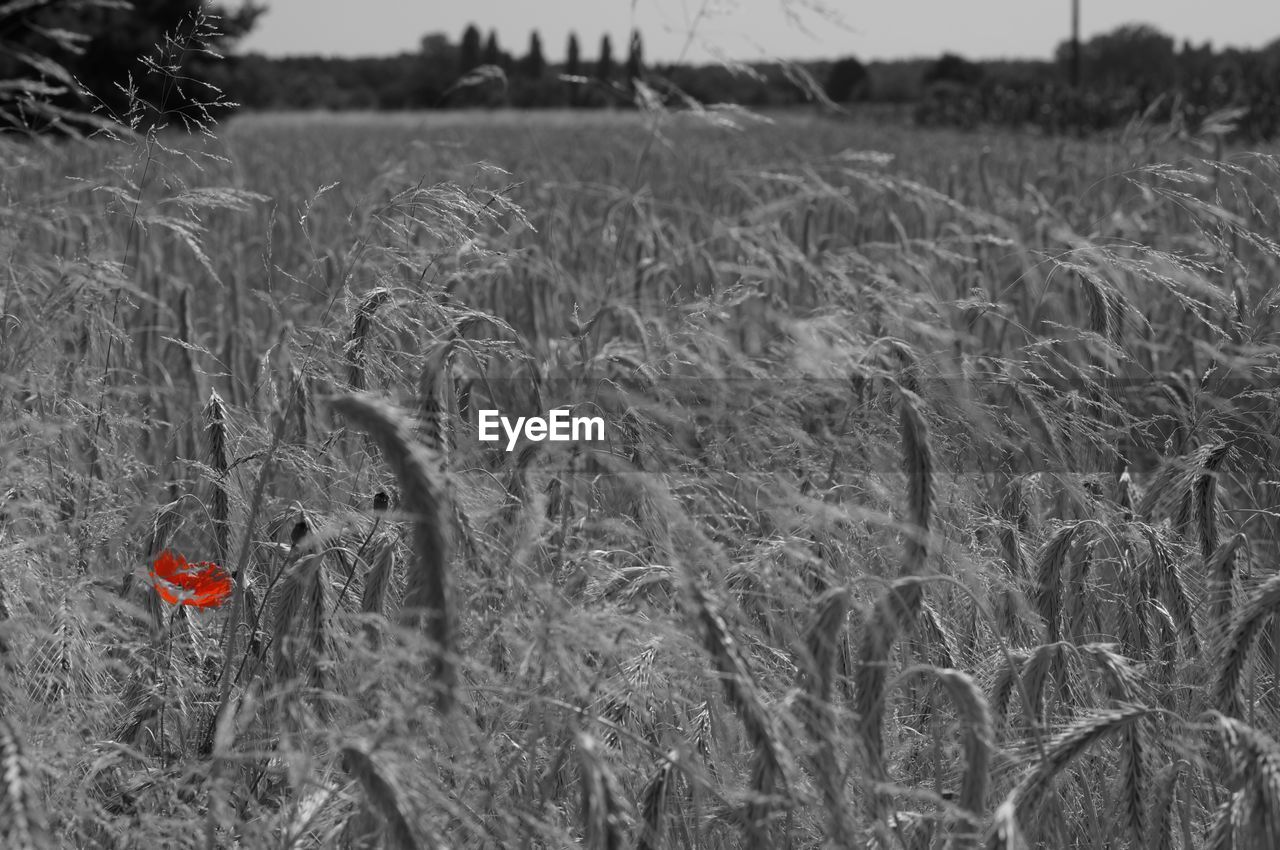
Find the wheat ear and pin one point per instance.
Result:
(771, 762)
(1205, 494)
(1132, 785)
(186, 335)
(299, 622)
(377, 581)
(1004, 833)
(654, 800)
(1162, 805)
(917, 463)
(382, 797)
(601, 800)
(1065, 748)
(1172, 587)
(1228, 817)
(896, 610)
(1255, 763)
(21, 821)
(975, 715)
(894, 614)
(823, 642)
(1221, 570)
(215, 418)
(422, 497)
(1049, 569)
(433, 383)
(1235, 652)
(358, 342)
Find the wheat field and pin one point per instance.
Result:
(937, 505)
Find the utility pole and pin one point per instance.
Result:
(1075, 43)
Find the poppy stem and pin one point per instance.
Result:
(257, 619)
(164, 684)
(377, 521)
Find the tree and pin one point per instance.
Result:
(470, 51)
(573, 59)
(117, 37)
(437, 70)
(492, 53)
(1131, 55)
(635, 57)
(951, 68)
(573, 68)
(846, 79)
(434, 44)
(604, 65)
(533, 64)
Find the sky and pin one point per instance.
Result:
(751, 29)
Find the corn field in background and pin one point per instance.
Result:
(939, 505)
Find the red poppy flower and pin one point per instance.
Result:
(204, 584)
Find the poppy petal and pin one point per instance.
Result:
(168, 566)
(203, 585)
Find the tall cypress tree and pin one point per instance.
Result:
(492, 54)
(635, 57)
(533, 64)
(573, 59)
(573, 66)
(604, 65)
(470, 50)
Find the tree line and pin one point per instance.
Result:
(1132, 69)
(478, 71)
